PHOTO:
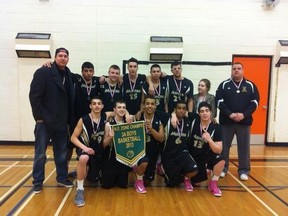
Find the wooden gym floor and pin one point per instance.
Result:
(265, 193)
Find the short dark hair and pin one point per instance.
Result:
(180, 102)
(95, 97)
(237, 63)
(175, 63)
(155, 66)
(150, 97)
(204, 104)
(116, 67)
(133, 60)
(118, 101)
(87, 65)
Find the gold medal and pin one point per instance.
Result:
(178, 140)
(93, 136)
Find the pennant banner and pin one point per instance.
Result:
(129, 142)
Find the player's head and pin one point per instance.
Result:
(180, 109)
(132, 66)
(155, 71)
(149, 104)
(87, 70)
(114, 73)
(96, 104)
(120, 108)
(176, 69)
(204, 110)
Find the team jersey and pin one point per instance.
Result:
(196, 145)
(150, 140)
(109, 95)
(159, 94)
(83, 93)
(132, 93)
(93, 133)
(178, 90)
(176, 139)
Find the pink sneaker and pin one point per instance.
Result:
(159, 169)
(213, 187)
(139, 186)
(187, 185)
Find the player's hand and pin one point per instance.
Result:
(48, 64)
(174, 120)
(102, 80)
(89, 151)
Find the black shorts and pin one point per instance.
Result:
(209, 159)
(114, 174)
(176, 168)
(94, 165)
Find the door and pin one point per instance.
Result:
(258, 69)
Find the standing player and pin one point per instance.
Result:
(132, 87)
(177, 163)
(88, 137)
(154, 136)
(110, 91)
(159, 87)
(179, 88)
(205, 147)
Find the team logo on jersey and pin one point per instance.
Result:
(244, 89)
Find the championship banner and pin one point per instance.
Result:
(129, 142)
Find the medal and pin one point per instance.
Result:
(178, 140)
(93, 136)
(178, 87)
(112, 92)
(237, 86)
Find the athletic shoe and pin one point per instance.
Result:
(37, 189)
(79, 198)
(72, 174)
(159, 170)
(244, 177)
(187, 185)
(139, 186)
(223, 174)
(65, 183)
(213, 187)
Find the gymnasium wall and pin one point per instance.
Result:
(108, 32)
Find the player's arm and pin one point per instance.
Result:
(74, 138)
(158, 135)
(108, 135)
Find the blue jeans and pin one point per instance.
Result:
(59, 141)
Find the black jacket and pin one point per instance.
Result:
(50, 100)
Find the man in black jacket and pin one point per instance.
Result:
(52, 99)
(237, 98)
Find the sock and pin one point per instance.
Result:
(139, 177)
(80, 184)
(215, 178)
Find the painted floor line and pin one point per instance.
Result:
(253, 194)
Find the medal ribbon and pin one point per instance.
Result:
(155, 89)
(112, 92)
(132, 86)
(180, 131)
(145, 121)
(237, 86)
(98, 123)
(178, 87)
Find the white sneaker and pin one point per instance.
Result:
(244, 177)
(222, 175)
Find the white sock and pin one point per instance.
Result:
(139, 177)
(215, 178)
(80, 184)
